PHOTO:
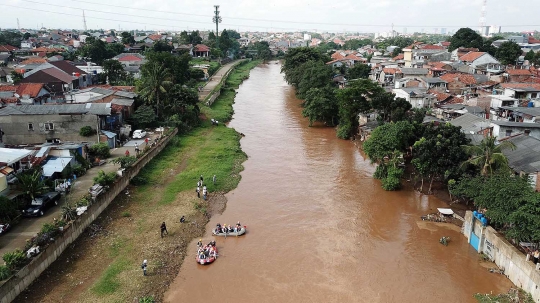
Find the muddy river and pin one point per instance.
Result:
(320, 228)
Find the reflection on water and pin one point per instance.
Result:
(320, 228)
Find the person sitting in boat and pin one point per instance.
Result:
(238, 224)
(231, 229)
(199, 244)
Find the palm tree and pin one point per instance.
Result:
(488, 154)
(31, 183)
(154, 85)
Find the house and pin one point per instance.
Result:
(452, 111)
(388, 75)
(418, 97)
(7, 49)
(32, 93)
(12, 159)
(524, 160)
(417, 54)
(201, 50)
(482, 62)
(517, 114)
(517, 75)
(33, 124)
(474, 127)
(421, 82)
(414, 72)
(503, 101)
(503, 129)
(458, 52)
(521, 90)
(130, 59)
(55, 79)
(462, 83)
(437, 69)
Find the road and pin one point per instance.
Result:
(215, 79)
(29, 227)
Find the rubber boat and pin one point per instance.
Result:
(230, 234)
(207, 260)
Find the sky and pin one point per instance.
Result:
(365, 16)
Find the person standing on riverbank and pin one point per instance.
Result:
(204, 192)
(214, 179)
(198, 190)
(201, 179)
(144, 266)
(163, 229)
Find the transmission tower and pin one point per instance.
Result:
(84, 20)
(18, 25)
(483, 16)
(217, 19)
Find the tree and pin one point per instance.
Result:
(321, 105)
(114, 71)
(155, 81)
(466, 37)
(437, 152)
(263, 50)
(127, 38)
(295, 58)
(315, 74)
(16, 77)
(162, 46)
(355, 99)
(10, 38)
(114, 49)
(195, 38)
(178, 66)
(488, 155)
(233, 34)
(9, 209)
(144, 116)
(96, 50)
(31, 183)
(390, 108)
(530, 56)
(508, 52)
(359, 71)
(397, 51)
(225, 42)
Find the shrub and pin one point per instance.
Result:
(138, 180)
(105, 179)
(87, 131)
(49, 228)
(79, 170)
(14, 260)
(126, 214)
(147, 299)
(392, 180)
(100, 150)
(69, 213)
(4, 272)
(125, 161)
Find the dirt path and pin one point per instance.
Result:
(215, 79)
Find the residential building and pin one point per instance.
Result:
(524, 160)
(521, 90)
(482, 62)
(418, 97)
(517, 75)
(33, 124)
(474, 127)
(503, 129)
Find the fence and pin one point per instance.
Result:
(24, 277)
(514, 263)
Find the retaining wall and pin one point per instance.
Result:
(24, 277)
(211, 98)
(523, 273)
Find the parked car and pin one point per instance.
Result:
(40, 203)
(4, 227)
(139, 134)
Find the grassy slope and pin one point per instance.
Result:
(207, 150)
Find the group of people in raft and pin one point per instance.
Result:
(206, 251)
(228, 228)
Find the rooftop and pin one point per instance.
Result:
(471, 56)
(12, 155)
(526, 156)
(103, 109)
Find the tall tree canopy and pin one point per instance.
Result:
(321, 105)
(390, 108)
(508, 52)
(466, 37)
(114, 71)
(295, 58)
(358, 71)
(488, 156)
(154, 85)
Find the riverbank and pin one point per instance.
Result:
(104, 264)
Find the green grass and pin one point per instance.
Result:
(107, 283)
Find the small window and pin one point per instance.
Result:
(508, 132)
(30, 126)
(534, 95)
(49, 126)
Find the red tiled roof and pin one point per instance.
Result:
(399, 57)
(533, 40)
(449, 77)
(155, 37)
(337, 56)
(390, 70)
(445, 43)
(437, 64)
(30, 89)
(130, 58)
(8, 88)
(535, 86)
(518, 72)
(9, 100)
(34, 60)
(431, 46)
(45, 50)
(354, 57)
(471, 56)
(467, 79)
(201, 48)
(440, 96)
(116, 88)
(7, 48)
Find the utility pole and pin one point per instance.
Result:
(217, 19)
(84, 20)
(18, 25)
(483, 17)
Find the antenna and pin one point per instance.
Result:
(483, 17)
(84, 20)
(18, 25)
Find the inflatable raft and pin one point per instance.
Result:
(206, 260)
(230, 234)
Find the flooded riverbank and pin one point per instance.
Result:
(320, 228)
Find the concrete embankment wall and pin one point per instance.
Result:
(24, 277)
(215, 94)
(521, 272)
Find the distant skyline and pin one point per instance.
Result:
(276, 15)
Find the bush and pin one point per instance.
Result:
(100, 150)
(105, 179)
(147, 299)
(137, 181)
(49, 228)
(79, 170)
(4, 272)
(126, 214)
(14, 260)
(392, 180)
(125, 161)
(87, 131)
(380, 172)
(69, 213)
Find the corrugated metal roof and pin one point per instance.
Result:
(12, 155)
(43, 151)
(122, 101)
(101, 109)
(517, 124)
(54, 165)
(526, 156)
(129, 95)
(470, 123)
(109, 134)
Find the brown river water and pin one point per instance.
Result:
(320, 228)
